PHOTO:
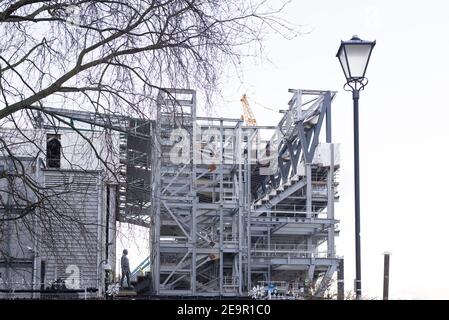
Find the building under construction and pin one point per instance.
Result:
(230, 206)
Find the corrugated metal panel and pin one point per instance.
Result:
(72, 248)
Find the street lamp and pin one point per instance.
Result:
(354, 56)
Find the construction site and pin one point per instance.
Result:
(232, 209)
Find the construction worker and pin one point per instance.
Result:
(125, 268)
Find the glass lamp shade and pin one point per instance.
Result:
(354, 56)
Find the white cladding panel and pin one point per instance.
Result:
(72, 247)
(323, 153)
(81, 152)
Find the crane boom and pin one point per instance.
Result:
(248, 114)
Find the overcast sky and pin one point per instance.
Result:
(403, 130)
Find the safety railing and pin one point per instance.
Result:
(286, 250)
(229, 237)
(291, 214)
(230, 282)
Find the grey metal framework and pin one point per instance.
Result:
(135, 175)
(292, 225)
(198, 237)
(220, 228)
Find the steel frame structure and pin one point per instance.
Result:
(197, 234)
(293, 225)
(220, 229)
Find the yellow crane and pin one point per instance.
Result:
(248, 114)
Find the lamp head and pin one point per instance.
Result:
(354, 56)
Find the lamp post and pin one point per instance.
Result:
(354, 56)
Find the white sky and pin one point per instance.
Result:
(403, 130)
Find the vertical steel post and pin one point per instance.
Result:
(156, 203)
(194, 196)
(221, 225)
(386, 274)
(330, 178)
(309, 205)
(108, 209)
(358, 267)
(341, 280)
(248, 159)
(240, 218)
(308, 167)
